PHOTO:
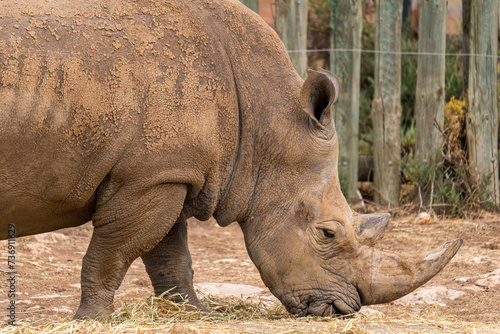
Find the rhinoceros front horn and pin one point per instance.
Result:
(392, 277)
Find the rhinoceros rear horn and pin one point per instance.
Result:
(321, 89)
(370, 227)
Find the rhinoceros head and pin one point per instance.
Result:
(312, 251)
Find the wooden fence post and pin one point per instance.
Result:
(430, 92)
(291, 26)
(252, 4)
(482, 114)
(386, 105)
(346, 28)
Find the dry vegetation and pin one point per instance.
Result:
(154, 315)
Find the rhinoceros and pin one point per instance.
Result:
(140, 114)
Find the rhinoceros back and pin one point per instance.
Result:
(98, 91)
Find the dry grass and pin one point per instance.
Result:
(157, 315)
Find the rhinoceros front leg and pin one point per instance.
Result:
(127, 225)
(169, 266)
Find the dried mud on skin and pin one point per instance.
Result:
(49, 275)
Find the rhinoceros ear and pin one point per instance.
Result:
(319, 92)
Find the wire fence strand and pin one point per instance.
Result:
(406, 53)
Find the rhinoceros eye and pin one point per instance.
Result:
(328, 234)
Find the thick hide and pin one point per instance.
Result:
(140, 114)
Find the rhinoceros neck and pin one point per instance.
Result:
(267, 90)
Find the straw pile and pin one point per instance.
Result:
(160, 315)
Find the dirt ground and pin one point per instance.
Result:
(48, 268)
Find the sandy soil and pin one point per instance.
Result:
(49, 266)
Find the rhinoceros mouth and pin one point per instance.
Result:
(334, 306)
(323, 310)
(333, 309)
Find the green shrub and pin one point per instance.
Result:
(366, 89)
(408, 79)
(453, 72)
(446, 185)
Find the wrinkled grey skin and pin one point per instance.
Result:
(138, 115)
